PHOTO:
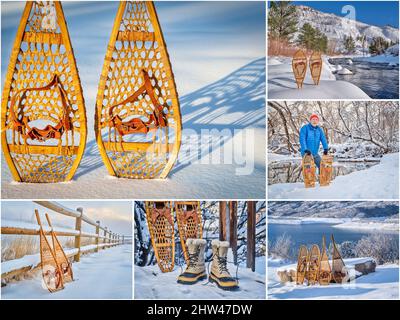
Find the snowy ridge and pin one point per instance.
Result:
(336, 27)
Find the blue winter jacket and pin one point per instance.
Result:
(310, 138)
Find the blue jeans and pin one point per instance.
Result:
(317, 160)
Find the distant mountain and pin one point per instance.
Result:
(336, 27)
(333, 209)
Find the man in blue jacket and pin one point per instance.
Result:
(311, 135)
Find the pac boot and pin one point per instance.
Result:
(219, 269)
(195, 270)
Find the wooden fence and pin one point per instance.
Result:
(104, 238)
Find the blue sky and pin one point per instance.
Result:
(116, 215)
(379, 13)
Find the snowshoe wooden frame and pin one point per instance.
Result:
(308, 169)
(189, 219)
(325, 271)
(51, 271)
(302, 265)
(138, 121)
(160, 221)
(314, 258)
(299, 67)
(339, 271)
(325, 170)
(315, 64)
(42, 87)
(61, 257)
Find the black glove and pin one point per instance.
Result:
(307, 152)
(325, 151)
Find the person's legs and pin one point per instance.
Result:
(317, 161)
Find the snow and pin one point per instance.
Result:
(151, 283)
(103, 275)
(377, 182)
(234, 104)
(282, 85)
(369, 225)
(344, 71)
(381, 284)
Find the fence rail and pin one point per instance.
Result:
(104, 238)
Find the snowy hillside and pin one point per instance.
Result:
(334, 209)
(336, 27)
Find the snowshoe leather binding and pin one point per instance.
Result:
(219, 269)
(195, 270)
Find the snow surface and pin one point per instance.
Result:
(103, 275)
(235, 103)
(381, 284)
(151, 283)
(377, 182)
(282, 85)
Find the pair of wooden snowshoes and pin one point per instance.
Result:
(299, 67)
(160, 221)
(309, 171)
(313, 265)
(55, 265)
(43, 118)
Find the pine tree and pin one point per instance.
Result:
(282, 20)
(307, 36)
(349, 44)
(378, 45)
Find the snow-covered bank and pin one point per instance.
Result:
(151, 283)
(381, 284)
(103, 275)
(377, 182)
(282, 85)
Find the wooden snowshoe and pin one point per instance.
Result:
(138, 120)
(43, 120)
(188, 217)
(160, 222)
(325, 271)
(302, 265)
(299, 67)
(314, 258)
(339, 271)
(315, 66)
(308, 166)
(61, 257)
(51, 271)
(325, 171)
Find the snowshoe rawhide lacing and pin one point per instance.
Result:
(219, 269)
(195, 270)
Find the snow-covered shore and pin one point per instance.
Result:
(381, 284)
(282, 85)
(377, 182)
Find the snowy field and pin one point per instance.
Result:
(103, 275)
(381, 284)
(377, 182)
(151, 283)
(282, 85)
(235, 103)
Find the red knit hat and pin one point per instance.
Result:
(314, 116)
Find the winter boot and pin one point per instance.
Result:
(219, 269)
(195, 270)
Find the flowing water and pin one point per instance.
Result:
(378, 80)
(290, 171)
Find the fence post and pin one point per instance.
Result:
(98, 235)
(78, 227)
(251, 235)
(123, 239)
(105, 237)
(110, 238)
